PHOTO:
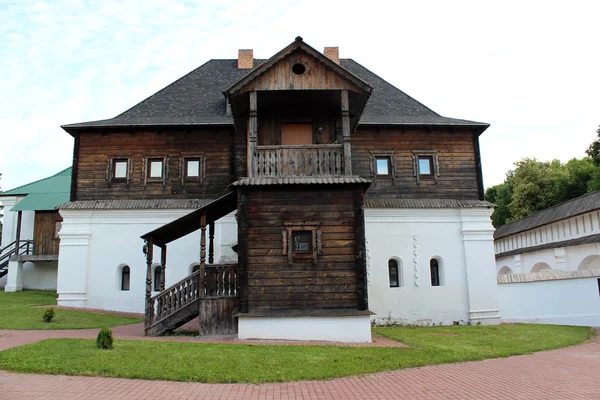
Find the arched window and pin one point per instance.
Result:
(125, 277)
(395, 272)
(435, 270)
(540, 267)
(157, 277)
(505, 270)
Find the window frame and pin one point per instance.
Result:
(286, 241)
(434, 165)
(185, 158)
(439, 269)
(147, 169)
(122, 273)
(156, 284)
(388, 160)
(398, 269)
(111, 169)
(390, 156)
(308, 235)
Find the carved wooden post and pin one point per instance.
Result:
(148, 251)
(18, 236)
(211, 243)
(252, 134)
(346, 133)
(163, 263)
(203, 239)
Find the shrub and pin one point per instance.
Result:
(48, 314)
(104, 339)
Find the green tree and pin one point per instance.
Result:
(501, 196)
(594, 149)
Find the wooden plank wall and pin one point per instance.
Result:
(218, 147)
(45, 241)
(272, 281)
(281, 77)
(458, 178)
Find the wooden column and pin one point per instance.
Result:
(149, 311)
(18, 235)
(163, 263)
(361, 259)
(203, 239)
(242, 282)
(252, 134)
(346, 133)
(211, 243)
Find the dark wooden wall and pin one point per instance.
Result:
(45, 241)
(458, 171)
(274, 283)
(224, 161)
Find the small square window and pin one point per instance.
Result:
(301, 241)
(155, 168)
(119, 169)
(425, 166)
(192, 168)
(383, 165)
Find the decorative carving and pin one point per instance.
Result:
(287, 248)
(416, 260)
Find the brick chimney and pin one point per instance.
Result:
(245, 59)
(333, 53)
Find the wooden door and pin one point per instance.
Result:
(45, 239)
(296, 134)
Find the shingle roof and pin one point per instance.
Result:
(426, 203)
(44, 194)
(552, 245)
(568, 209)
(197, 99)
(302, 180)
(135, 204)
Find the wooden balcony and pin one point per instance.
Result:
(305, 160)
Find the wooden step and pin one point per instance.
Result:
(174, 320)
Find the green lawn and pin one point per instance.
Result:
(19, 311)
(204, 362)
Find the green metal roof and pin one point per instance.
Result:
(45, 194)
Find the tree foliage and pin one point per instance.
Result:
(535, 185)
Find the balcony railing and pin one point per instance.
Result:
(310, 160)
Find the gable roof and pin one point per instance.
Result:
(298, 44)
(586, 203)
(197, 99)
(44, 194)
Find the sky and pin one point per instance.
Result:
(531, 69)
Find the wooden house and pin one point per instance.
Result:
(283, 160)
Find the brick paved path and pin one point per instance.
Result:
(570, 373)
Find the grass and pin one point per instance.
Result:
(21, 311)
(205, 362)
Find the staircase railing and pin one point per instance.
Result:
(210, 281)
(173, 298)
(25, 248)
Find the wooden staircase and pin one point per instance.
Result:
(6, 253)
(182, 302)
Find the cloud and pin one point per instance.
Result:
(528, 68)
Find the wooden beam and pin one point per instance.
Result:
(211, 243)
(346, 133)
(73, 194)
(18, 236)
(242, 218)
(361, 259)
(252, 133)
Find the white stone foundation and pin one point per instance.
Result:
(334, 329)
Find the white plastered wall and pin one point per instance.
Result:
(94, 243)
(461, 239)
(564, 302)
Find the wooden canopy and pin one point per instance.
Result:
(192, 222)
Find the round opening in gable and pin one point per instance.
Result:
(298, 68)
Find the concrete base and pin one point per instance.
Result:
(14, 281)
(72, 299)
(13, 288)
(334, 329)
